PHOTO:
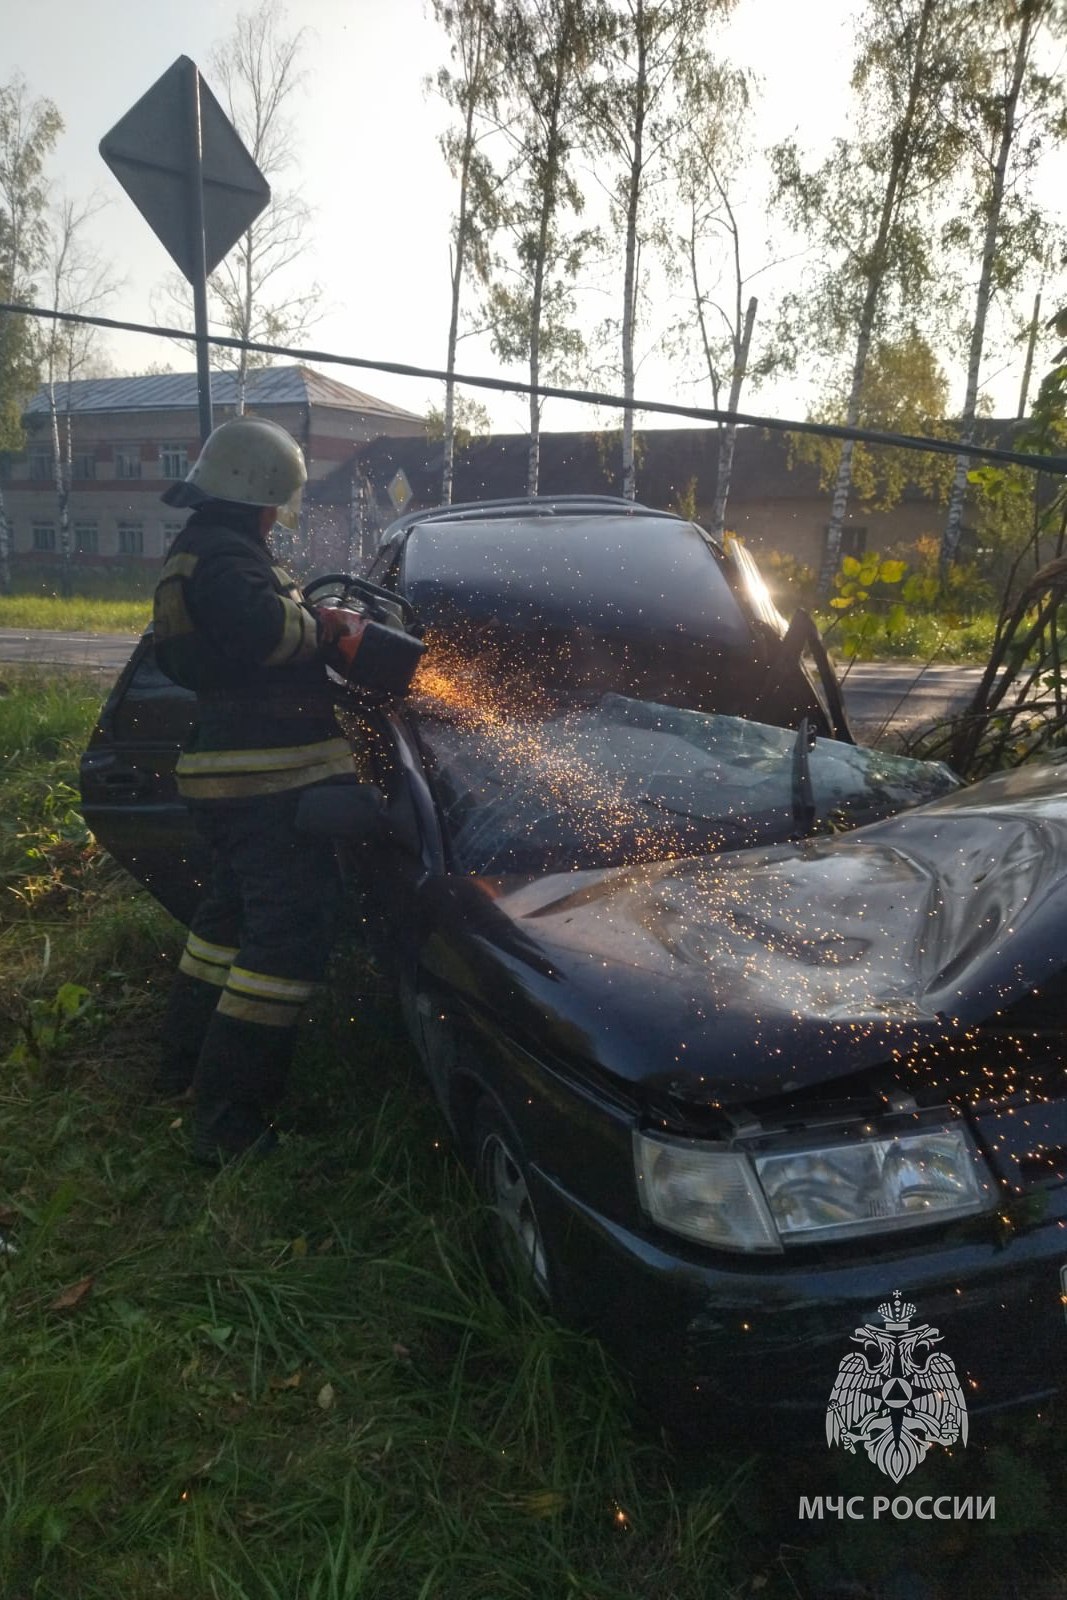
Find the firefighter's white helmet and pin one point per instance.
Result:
(250, 461)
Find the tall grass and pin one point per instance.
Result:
(923, 637)
(79, 614)
(295, 1380)
(112, 580)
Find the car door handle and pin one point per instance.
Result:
(126, 781)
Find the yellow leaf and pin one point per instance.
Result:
(299, 1247)
(850, 567)
(326, 1396)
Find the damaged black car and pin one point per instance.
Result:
(742, 1027)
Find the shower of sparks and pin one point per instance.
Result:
(751, 921)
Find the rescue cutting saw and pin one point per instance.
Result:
(377, 638)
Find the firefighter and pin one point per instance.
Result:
(231, 624)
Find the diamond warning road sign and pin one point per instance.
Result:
(152, 153)
(399, 490)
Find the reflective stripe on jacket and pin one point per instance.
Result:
(232, 625)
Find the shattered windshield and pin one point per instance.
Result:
(626, 781)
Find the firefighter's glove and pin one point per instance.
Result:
(333, 624)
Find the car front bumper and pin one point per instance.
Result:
(746, 1341)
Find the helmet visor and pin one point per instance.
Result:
(289, 513)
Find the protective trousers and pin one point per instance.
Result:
(257, 947)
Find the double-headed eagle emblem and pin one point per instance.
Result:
(897, 1394)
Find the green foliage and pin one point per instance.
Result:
(887, 606)
(46, 1026)
(529, 304)
(904, 390)
(28, 133)
(867, 203)
(470, 421)
(685, 500)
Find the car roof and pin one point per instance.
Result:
(560, 505)
(573, 561)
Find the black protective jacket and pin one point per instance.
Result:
(232, 625)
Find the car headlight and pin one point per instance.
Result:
(829, 1186)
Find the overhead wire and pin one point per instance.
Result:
(826, 430)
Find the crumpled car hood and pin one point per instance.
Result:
(747, 974)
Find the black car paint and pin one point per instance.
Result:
(529, 991)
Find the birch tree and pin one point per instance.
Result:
(471, 86)
(652, 48)
(1008, 112)
(28, 132)
(78, 280)
(546, 48)
(868, 204)
(704, 256)
(258, 70)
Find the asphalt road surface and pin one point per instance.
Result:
(877, 693)
(104, 652)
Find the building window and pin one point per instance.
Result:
(127, 461)
(853, 542)
(44, 536)
(131, 539)
(171, 531)
(86, 538)
(83, 464)
(173, 460)
(41, 466)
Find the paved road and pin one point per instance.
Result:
(873, 692)
(882, 693)
(101, 651)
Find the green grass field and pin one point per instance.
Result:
(295, 1381)
(80, 613)
(923, 638)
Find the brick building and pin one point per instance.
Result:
(133, 436)
(776, 503)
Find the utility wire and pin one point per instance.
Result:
(824, 430)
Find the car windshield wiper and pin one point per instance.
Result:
(804, 811)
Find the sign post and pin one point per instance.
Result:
(181, 161)
(196, 239)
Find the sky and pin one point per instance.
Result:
(370, 167)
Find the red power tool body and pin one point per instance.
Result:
(369, 642)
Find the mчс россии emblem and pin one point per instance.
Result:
(897, 1394)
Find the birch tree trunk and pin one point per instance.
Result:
(896, 180)
(246, 328)
(950, 539)
(62, 487)
(729, 435)
(629, 289)
(459, 261)
(549, 204)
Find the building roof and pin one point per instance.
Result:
(176, 391)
